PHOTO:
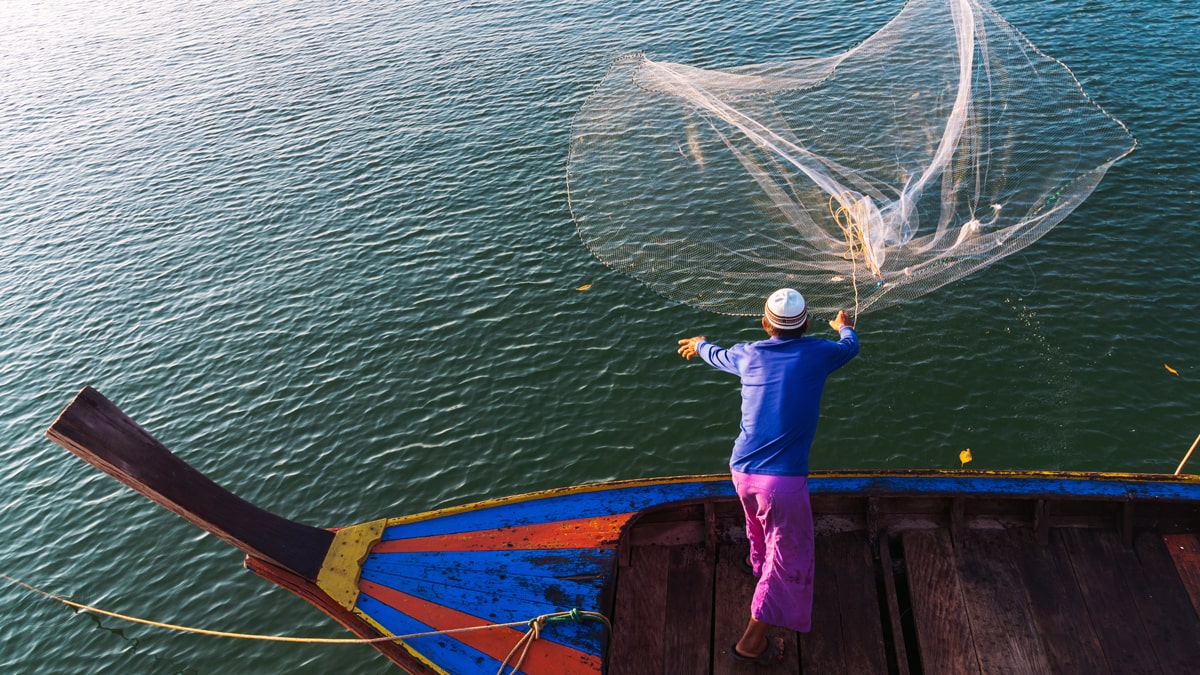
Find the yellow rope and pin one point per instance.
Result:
(534, 626)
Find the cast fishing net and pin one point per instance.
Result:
(942, 143)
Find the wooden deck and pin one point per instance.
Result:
(945, 591)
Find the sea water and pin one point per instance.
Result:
(322, 250)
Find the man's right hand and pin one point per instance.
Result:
(842, 319)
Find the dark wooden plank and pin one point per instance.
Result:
(1058, 610)
(847, 631)
(893, 605)
(1123, 637)
(943, 631)
(1002, 625)
(641, 602)
(1163, 603)
(636, 647)
(1185, 553)
(98, 432)
(731, 613)
(821, 648)
(687, 648)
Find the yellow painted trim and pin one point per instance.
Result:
(343, 561)
(1008, 473)
(418, 655)
(862, 473)
(555, 492)
(835, 473)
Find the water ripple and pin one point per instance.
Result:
(323, 252)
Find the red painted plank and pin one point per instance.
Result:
(543, 658)
(597, 532)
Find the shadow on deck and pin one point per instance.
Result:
(944, 591)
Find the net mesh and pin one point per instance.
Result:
(940, 144)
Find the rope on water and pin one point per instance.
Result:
(531, 635)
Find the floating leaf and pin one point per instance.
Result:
(584, 287)
(965, 456)
(1170, 369)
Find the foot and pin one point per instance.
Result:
(771, 655)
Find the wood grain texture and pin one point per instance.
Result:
(1184, 550)
(847, 629)
(943, 631)
(1110, 603)
(1056, 604)
(1005, 635)
(1163, 603)
(731, 613)
(688, 622)
(94, 429)
(639, 613)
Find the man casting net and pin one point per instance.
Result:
(940, 144)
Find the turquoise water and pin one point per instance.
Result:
(323, 251)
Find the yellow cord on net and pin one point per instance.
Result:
(534, 625)
(855, 228)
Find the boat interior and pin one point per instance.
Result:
(924, 584)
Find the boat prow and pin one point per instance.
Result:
(917, 571)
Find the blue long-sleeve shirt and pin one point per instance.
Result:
(782, 380)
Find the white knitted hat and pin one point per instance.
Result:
(786, 309)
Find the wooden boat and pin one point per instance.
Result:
(917, 571)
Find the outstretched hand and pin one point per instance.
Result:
(688, 347)
(842, 319)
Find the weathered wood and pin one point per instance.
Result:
(688, 621)
(1162, 602)
(710, 529)
(93, 428)
(1185, 553)
(1057, 607)
(731, 612)
(847, 631)
(1041, 522)
(639, 613)
(1003, 629)
(1110, 604)
(899, 646)
(821, 649)
(1126, 524)
(394, 650)
(943, 632)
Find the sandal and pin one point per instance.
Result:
(744, 564)
(771, 656)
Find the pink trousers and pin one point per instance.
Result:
(779, 525)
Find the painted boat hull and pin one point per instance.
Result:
(517, 558)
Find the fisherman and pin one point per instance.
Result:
(782, 379)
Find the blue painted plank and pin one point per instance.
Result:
(556, 563)
(489, 588)
(1003, 486)
(450, 654)
(625, 499)
(602, 502)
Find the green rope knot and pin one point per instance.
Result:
(573, 615)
